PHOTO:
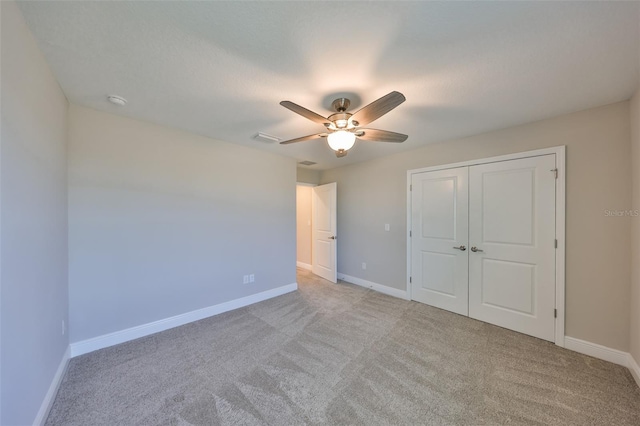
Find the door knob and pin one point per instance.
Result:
(461, 248)
(476, 249)
(333, 237)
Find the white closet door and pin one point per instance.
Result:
(512, 227)
(439, 271)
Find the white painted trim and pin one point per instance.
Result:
(560, 152)
(390, 291)
(607, 354)
(597, 351)
(47, 403)
(409, 227)
(560, 250)
(106, 340)
(507, 157)
(634, 368)
(306, 184)
(303, 265)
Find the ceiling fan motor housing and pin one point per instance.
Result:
(341, 104)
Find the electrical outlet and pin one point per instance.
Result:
(245, 279)
(252, 278)
(364, 265)
(386, 226)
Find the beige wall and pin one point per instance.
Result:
(635, 235)
(598, 178)
(164, 222)
(33, 258)
(303, 223)
(308, 175)
(634, 336)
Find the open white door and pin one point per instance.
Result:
(323, 218)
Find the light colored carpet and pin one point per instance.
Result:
(341, 354)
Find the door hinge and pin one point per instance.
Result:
(556, 243)
(555, 172)
(410, 187)
(410, 234)
(555, 313)
(409, 279)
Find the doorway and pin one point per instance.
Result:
(316, 226)
(303, 225)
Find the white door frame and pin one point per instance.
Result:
(560, 152)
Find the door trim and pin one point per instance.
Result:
(560, 152)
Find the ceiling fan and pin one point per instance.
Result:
(343, 127)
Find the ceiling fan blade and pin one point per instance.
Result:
(380, 135)
(305, 112)
(304, 138)
(377, 109)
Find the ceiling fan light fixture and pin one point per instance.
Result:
(343, 127)
(341, 140)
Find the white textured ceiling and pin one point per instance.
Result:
(220, 68)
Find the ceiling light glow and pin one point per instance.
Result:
(341, 140)
(341, 124)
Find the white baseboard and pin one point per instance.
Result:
(634, 368)
(607, 354)
(597, 351)
(303, 265)
(106, 340)
(45, 407)
(390, 291)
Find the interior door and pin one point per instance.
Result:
(323, 234)
(512, 244)
(439, 264)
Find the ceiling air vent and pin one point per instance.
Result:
(266, 138)
(307, 163)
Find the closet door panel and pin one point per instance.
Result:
(512, 244)
(439, 260)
